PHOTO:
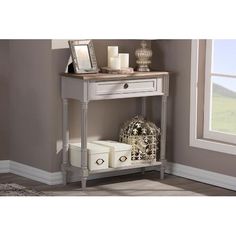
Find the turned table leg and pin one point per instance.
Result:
(84, 152)
(65, 139)
(163, 126)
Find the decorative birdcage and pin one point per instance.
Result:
(144, 136)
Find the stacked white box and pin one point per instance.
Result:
(98, 156)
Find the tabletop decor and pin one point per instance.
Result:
(144, 136)
(117, 71)
(83, 56)
(117, 63)
(124, 60)
(143, 56)
(112, 52)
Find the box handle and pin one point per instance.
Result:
(123, 158)
(100, 161)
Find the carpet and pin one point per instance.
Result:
(12, 189)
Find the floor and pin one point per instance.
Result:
(148, 184)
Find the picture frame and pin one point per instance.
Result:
(83, 56)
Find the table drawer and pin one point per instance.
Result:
(126, 88)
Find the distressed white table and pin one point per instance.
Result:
(87, 87)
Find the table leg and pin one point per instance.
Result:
(65, 139)
(84, 153)
(163, 129)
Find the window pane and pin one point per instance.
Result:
(223, 117)
(224, 57)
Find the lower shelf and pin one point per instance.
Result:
(136, 166)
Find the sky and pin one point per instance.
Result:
(224, 62)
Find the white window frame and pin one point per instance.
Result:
(207, 132)
(194, 141)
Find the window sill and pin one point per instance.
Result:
(213, 146)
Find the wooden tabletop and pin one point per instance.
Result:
(105, 76)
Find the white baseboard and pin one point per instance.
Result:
(50, 178)
(204, 176)
(5, 166)
(53, 178)
(30, 172)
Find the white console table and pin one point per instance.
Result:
(87, 87)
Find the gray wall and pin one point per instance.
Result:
(175, 56)
(32, 102)
(4, 99)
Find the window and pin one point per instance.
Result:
(220, 91)
(213, 95)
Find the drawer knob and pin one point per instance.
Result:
(126, 86)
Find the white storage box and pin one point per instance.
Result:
(98, 156)
(120, 153)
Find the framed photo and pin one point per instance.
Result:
(83, 56)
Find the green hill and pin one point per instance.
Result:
(222, 91)
(223, 109)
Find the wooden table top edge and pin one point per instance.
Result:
(106, 76)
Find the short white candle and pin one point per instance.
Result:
(115, 63)
(112, 51)
(124, 60)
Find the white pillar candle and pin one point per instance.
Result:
(112, 51)
(124, 60)
(115, 63)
